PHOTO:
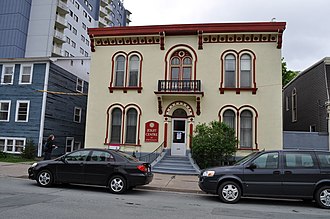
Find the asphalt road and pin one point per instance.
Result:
(22, 198)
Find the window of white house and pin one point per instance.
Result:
(66, 53)
(12, 145)
(134, 65)
(82, 38)
(120, 71)
(77, 115)
(7, 76)
(80, 85)
(4, 110)
(86, 54)
(131, 125)
(84, 26)
(246, 129)
(229, 118)
(245, 74)
(73, 43)
(74, 31)
(87, 42)
(77, 5)
(22, 110)
(26, 74)
(75, 17)
(82, 51)
(230, 69)
(294, 105)
(115, 126)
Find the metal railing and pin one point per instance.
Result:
(153, 155)
(179, 85)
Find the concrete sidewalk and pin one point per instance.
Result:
(160, 182)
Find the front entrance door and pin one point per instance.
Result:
(178, 147)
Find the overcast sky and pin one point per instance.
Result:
(306, 38)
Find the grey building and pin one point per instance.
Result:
(306, 106)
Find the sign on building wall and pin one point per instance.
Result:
(151, 131)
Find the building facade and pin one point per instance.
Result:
(39, 97)
(151, 85)
(45, 28)
(306, 108)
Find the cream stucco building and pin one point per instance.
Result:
(151, 85)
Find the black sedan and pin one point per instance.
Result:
(114, 169)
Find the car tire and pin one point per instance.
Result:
(45, 178)
(322, 197)
(229, 192)
(117, 185)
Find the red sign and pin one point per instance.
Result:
(151, 132)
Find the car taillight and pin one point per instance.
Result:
(142, 168)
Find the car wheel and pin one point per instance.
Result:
(229, 192)
(323, 197)
(45, 178)
(117, 185)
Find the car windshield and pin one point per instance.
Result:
(127, 156)
(246, 158)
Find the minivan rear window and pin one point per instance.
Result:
(324, 159)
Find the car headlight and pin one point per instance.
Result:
(34, 164)
(209, 173)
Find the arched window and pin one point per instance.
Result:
(116, 118)
(229, 118)
(134, 65)
(179, 113)
(120, 71)
(131, 125)
(246, 129)
(181, 65)
(230, 69)
(245, 74)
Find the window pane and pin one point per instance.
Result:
(131, 126)
(2, 144)
(175, 61)
(22, 112)
(115, 126)
(175, 73)
(187, 61)
(324, 159)
(4, 111)
(298, 160)
(10, 145)
(229, 118)
(230, 77)
(19, 146)
(186, 73)
(245, 71)
(134, 71)
(246, 129)
(267, 161)
(120, 68)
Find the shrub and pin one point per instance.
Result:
(213, 144)
(29, 150)
(3, 154)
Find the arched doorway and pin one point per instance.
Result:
(179, 133)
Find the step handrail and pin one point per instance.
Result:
(153, 155)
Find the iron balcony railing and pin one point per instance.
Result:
(179, 86)
(153, 155)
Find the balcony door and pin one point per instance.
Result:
(181, 70)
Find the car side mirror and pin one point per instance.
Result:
(252, 166)
(63, 159)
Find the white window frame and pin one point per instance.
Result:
(18, 102)
(80, 85)
(74, 114)
(9, 102)
(3, 73)
(13, 151)
(21, 74)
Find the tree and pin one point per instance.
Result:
(287, 75)
(213, 144)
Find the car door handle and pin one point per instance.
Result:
(276, 172)
(287, 172)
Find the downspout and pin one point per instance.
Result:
(327, 103)
(43, 110)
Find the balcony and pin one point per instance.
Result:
(57, 51)
(59, 37)
(61, 22)
(62, 8)
(104, 2)
(172, 89)
(103, 12)
(103, 22)
(179, 86)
